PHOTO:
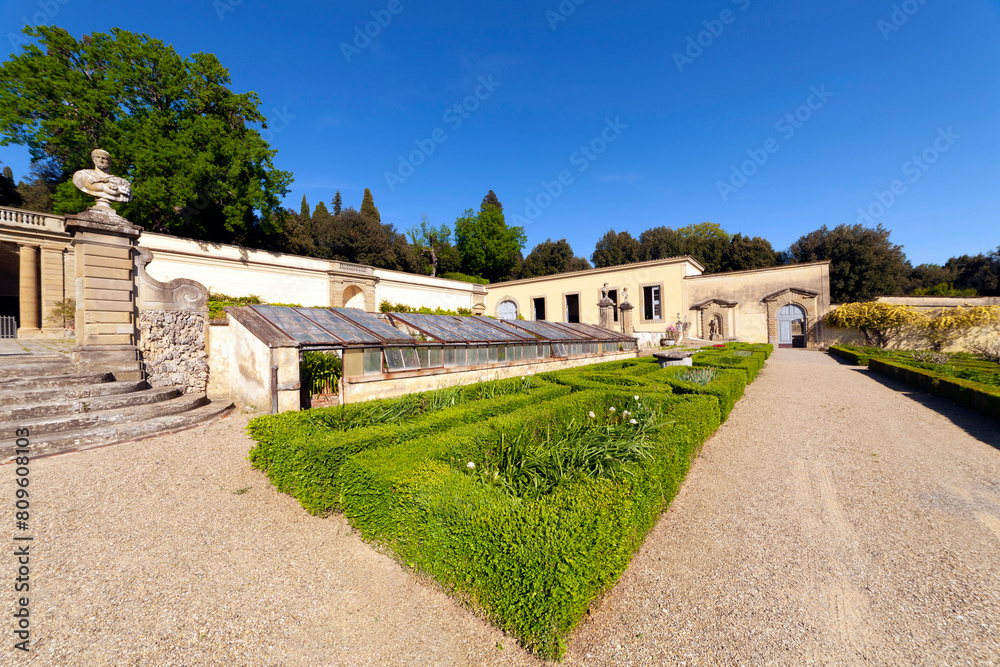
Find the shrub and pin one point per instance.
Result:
(878, 322)
(700, 376)
(320, 372)
(724, 359)
(979, 397)
(727, 386)
(854, 356)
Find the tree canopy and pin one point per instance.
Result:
(171, 124)
(487, 246)
(615, 248)
(865, 264)
(551, 257)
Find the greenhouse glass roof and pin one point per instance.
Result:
(452, 329)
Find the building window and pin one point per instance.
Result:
(507, 310)
(652, 308)
(573, 308)
(613, 295)
(539, 306)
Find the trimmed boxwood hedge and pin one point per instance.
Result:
(982, 398)
(303, 458)
(853, 356)
(728, 385)
(533, 565)
(721, 359)
(766, 348)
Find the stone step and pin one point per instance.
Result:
(87, 420)
(25, 414)
(30, 396)
(110, 434)
(35, 369)
(40, 382)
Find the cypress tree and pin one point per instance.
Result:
(338, 203)
(491, 201)
(304, 218)
(368, 207)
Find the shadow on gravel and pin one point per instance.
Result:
(979, 426)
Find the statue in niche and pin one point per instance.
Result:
(98, 182)
(713, 329)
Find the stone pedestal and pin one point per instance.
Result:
(30, 324)
(103, 245)
(626, 311)
(607, 314)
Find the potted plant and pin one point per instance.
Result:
(671, 336)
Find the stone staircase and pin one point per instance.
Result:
(66, 411)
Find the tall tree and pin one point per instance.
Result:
(488, 247)
(616, 248)
(662, 243)
(865, 263)
(428, 241)
(338, 203)
(171, 124)
(744, 252)
(368, 207)
(980, 272)
(305, 217)
(37, 192)
(491, 200)
(9, 196)
(551, 257)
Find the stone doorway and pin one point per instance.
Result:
(792, 327)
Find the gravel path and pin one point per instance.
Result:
(835, 518)
(832, 519)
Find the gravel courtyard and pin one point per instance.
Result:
(835, 518)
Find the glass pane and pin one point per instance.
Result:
(461, 356)
(492, 354)
(449, 357)
(423, 356)
(373, 361)
(410, 358)
(435, 357)
(394, 358)
(502, 353)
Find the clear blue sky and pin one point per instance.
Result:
(890, 91)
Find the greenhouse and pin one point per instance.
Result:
(398, 346)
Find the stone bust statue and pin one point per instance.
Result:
(604, 292)
(97, 182)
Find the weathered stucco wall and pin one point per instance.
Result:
(249, 368)
(424, 291)
(360, 389)
(748, 319)
(668, 274)
(228, 269)
(217, 347)
(172, 349)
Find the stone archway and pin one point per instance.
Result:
(804, 300)
(507, 309)
(354, 297)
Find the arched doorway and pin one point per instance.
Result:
(792, 326)
(354, 297)
(507, 310)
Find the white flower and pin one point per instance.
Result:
(625, 413)
(632, 421)
(636, 397)
(612, 409)
(591, 414)
(470, 465)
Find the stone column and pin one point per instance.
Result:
(52, 287)
(626, 310)
(29, 304)
(103, 244)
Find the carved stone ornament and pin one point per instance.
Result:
(98, 182)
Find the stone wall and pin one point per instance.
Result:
(172, 348)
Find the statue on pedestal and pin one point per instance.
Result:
(97, 182)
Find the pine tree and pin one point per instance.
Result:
(305, 219)
(338, 203)
(368, 207)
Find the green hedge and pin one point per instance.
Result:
(855, 357)
(766, 348)
(303, 457)
(533, 565)
(728, 385)
(982, 398)
(721, 359)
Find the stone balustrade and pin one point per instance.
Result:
(16, 217)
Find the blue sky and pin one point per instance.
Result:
(650, 113)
